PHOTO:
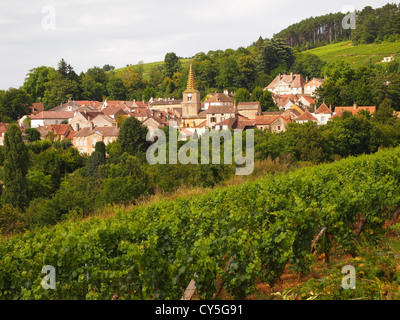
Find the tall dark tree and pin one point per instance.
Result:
(132, 136)
(15, 168)
(100, 147)
(172, 64)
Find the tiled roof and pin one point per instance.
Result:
(249, 105)
(113, 110)
(236, 123)
(59, 129)
(355, 109)
(141, 112)
(3, 127)
(139, 104)
(315, 81)
(37, 107)
(104, 131)
(323, 109)
(105, 117)
(293, 80)
(202, 124)
(263, 120)
(89, 115)
(70, 134)
(220, 97)
(306, 116)
(309, 99)
(53, 115)
(220, 109)
(270, 113)
(118, 103)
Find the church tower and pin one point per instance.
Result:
(191, 103)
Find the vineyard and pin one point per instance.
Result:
(228, 239)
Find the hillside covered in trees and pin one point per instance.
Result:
(372, 25)
(245, 70)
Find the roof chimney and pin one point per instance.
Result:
(291, 76)
(355, 105)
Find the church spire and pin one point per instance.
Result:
(191, 86)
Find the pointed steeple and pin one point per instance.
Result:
(191, 86)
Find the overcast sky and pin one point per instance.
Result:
(89, 33)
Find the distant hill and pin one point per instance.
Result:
(357, 55)
(150, 65)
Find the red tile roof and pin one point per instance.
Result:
(104, 131)
(309, 99)
(53, 115)
(70, 134)
(323, 109)
(113, 110)
(355, 109)
(293, 80)
(306, 116)
(59, 129)
(253, 105)
(315, 82)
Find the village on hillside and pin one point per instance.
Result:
(88, 122)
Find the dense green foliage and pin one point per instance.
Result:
(153, 251)
(60, 183)
(377, 25)
(15, 168)
(343, 136)
(365, 85)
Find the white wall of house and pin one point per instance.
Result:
(35, 123)
(322, 118)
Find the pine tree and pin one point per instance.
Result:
(132, 136)
(97, 158)
(15, 168)
(100, 147)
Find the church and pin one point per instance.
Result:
(193, 114)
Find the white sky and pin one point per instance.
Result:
(118, 32)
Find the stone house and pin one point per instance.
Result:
(86, 139)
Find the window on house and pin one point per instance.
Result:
(279, 128)
(322, 119)
(213, 119)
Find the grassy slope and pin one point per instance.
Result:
(148, 66)
(357, 55)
